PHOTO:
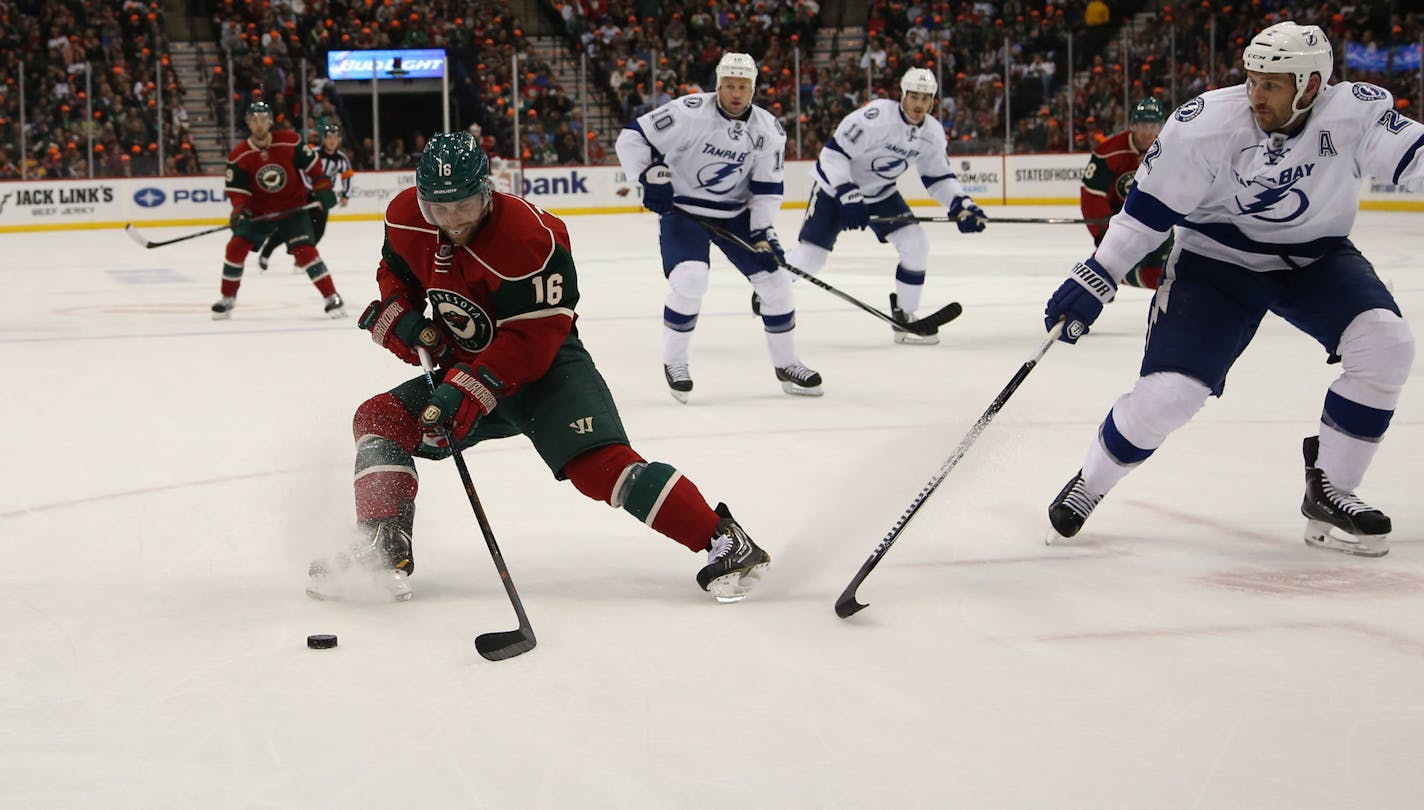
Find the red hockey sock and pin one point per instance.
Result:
(660, 496)
(686, 517)
(385, 480)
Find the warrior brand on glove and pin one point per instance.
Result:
(657, 188)
(465, 395)
(396, 326)
(1079, 300)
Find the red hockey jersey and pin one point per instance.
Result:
(265, 181)
(1107, 179)
(506, 299)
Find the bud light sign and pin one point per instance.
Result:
(397, 64)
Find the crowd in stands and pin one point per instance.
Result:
(641, 54)
(644, 61)
(117, 50)
(269, 40)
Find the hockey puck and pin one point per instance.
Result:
(321, 642)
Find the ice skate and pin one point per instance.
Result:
(679, 381)
(904, 336)
(1337, 520)
(222, 310)
(734, 563)
(799, 380)
(1070, 510)
(263, 260)
(334, 306)
(383, 560)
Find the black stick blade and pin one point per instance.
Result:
(931, 323)
(499, 646)
(846, 606)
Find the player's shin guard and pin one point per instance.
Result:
(1377, 352)
(908, 286)
(233, 258)
(1135, 427)
(309, 262)
(654, 493)
(385, 478)
(808, 258)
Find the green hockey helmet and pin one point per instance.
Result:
(452, 169)
(1148, 111)
(258, 108)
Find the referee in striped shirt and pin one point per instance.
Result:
(336, 166)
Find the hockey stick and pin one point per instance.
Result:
(501, 645)
(927, 325)
(143, 241)
(846, 605)
(1007, 220)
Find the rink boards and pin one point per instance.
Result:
(199, 201)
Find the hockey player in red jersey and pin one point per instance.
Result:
(499, 277)
(1109, 176)
(265, 176)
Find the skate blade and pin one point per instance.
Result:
(1319, 534)
(801, 390)
(222, 316)
(1052, 537)
(735, 586)
(680, 396)
(912, 339)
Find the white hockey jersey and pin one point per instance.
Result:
(876, 144)
(720, 166)
(1257, 200)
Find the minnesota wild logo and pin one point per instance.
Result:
(471, 326)
(271, 178)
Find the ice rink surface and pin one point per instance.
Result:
(167, 479)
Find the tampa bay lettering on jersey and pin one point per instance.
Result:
(729, 154)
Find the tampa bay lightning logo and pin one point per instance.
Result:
(1152, 152)
(471, 326)
(1364, 91)
(1190, 110)
(719, 178)
(889, 166)
(1272, 202)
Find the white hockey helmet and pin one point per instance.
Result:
(1299, 50)
(736, 66)
(918, 80)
